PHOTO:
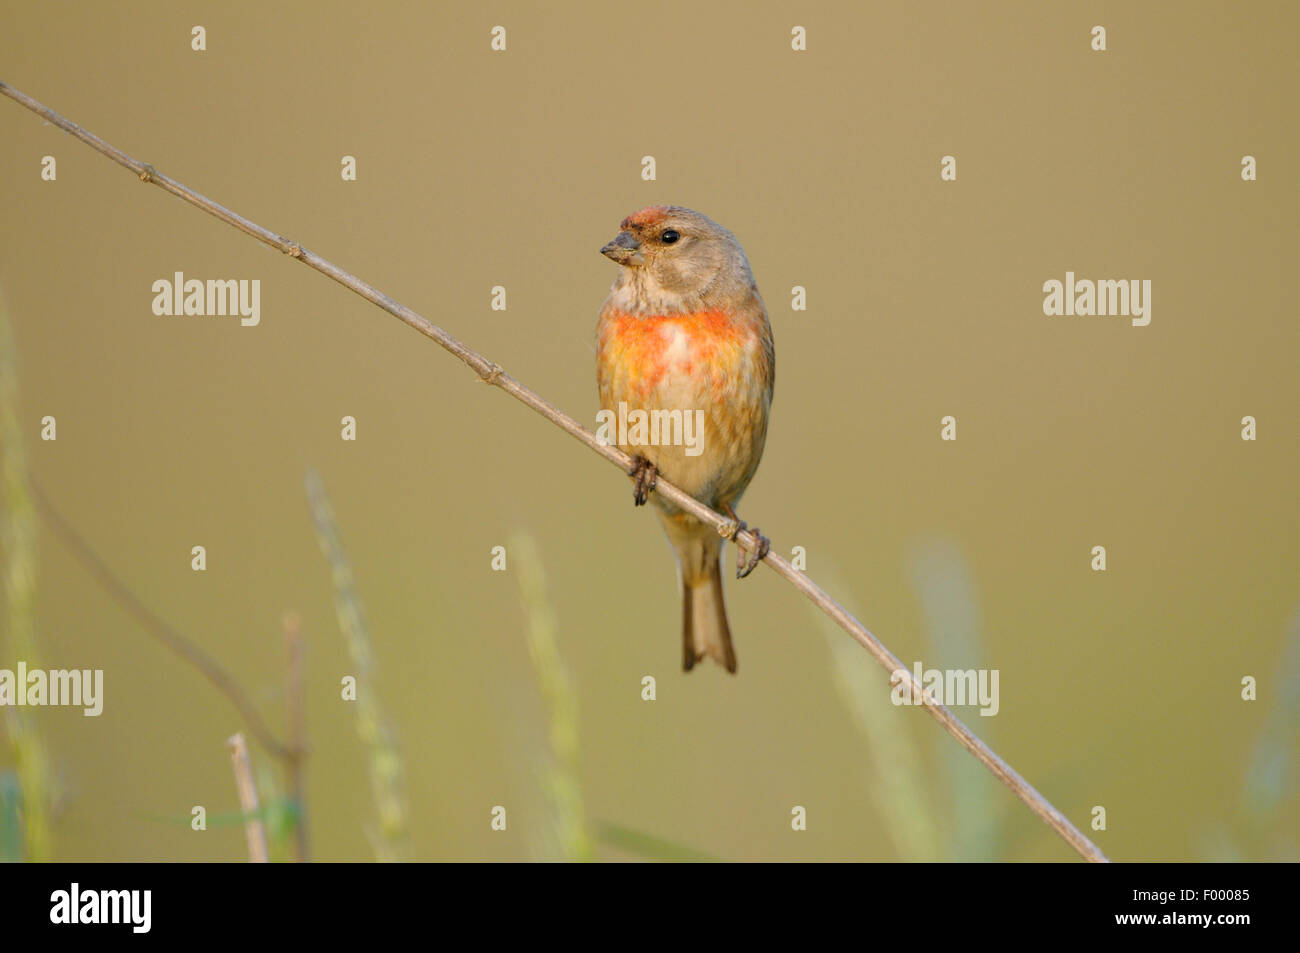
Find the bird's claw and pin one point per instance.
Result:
(647, 477)
(746, 560)
(745, 565)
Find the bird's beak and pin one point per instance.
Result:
(624, 249)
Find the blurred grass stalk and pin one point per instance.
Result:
(387, 771)
(296, 763)
(18, 545)
(281, 816)
(1258, 832)
(942, 581)
(914, 817)
(11, 819)
(896, 776)
(1270, 776)
(564, 789)
(649, 846)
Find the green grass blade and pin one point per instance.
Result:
(387, 769)
(648, 846)
(18, 547)
(562, 774)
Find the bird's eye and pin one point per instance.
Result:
(669, 236)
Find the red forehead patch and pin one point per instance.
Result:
(647, 216)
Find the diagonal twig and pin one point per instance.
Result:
(180, 645)
(490, 373)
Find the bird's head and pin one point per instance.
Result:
(677, 250)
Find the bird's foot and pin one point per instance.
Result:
(647, 476)
(747, 560)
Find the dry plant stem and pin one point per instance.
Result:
(253, 829)
(160, 630)
(492, 374)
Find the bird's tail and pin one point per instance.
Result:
(704, 614)
(704, 617)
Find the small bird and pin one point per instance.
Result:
(684, 330)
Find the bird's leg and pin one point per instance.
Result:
(744, 566)
(647, 476)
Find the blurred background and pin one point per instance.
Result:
(522, 688)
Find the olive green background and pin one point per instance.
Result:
(1119, 689)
